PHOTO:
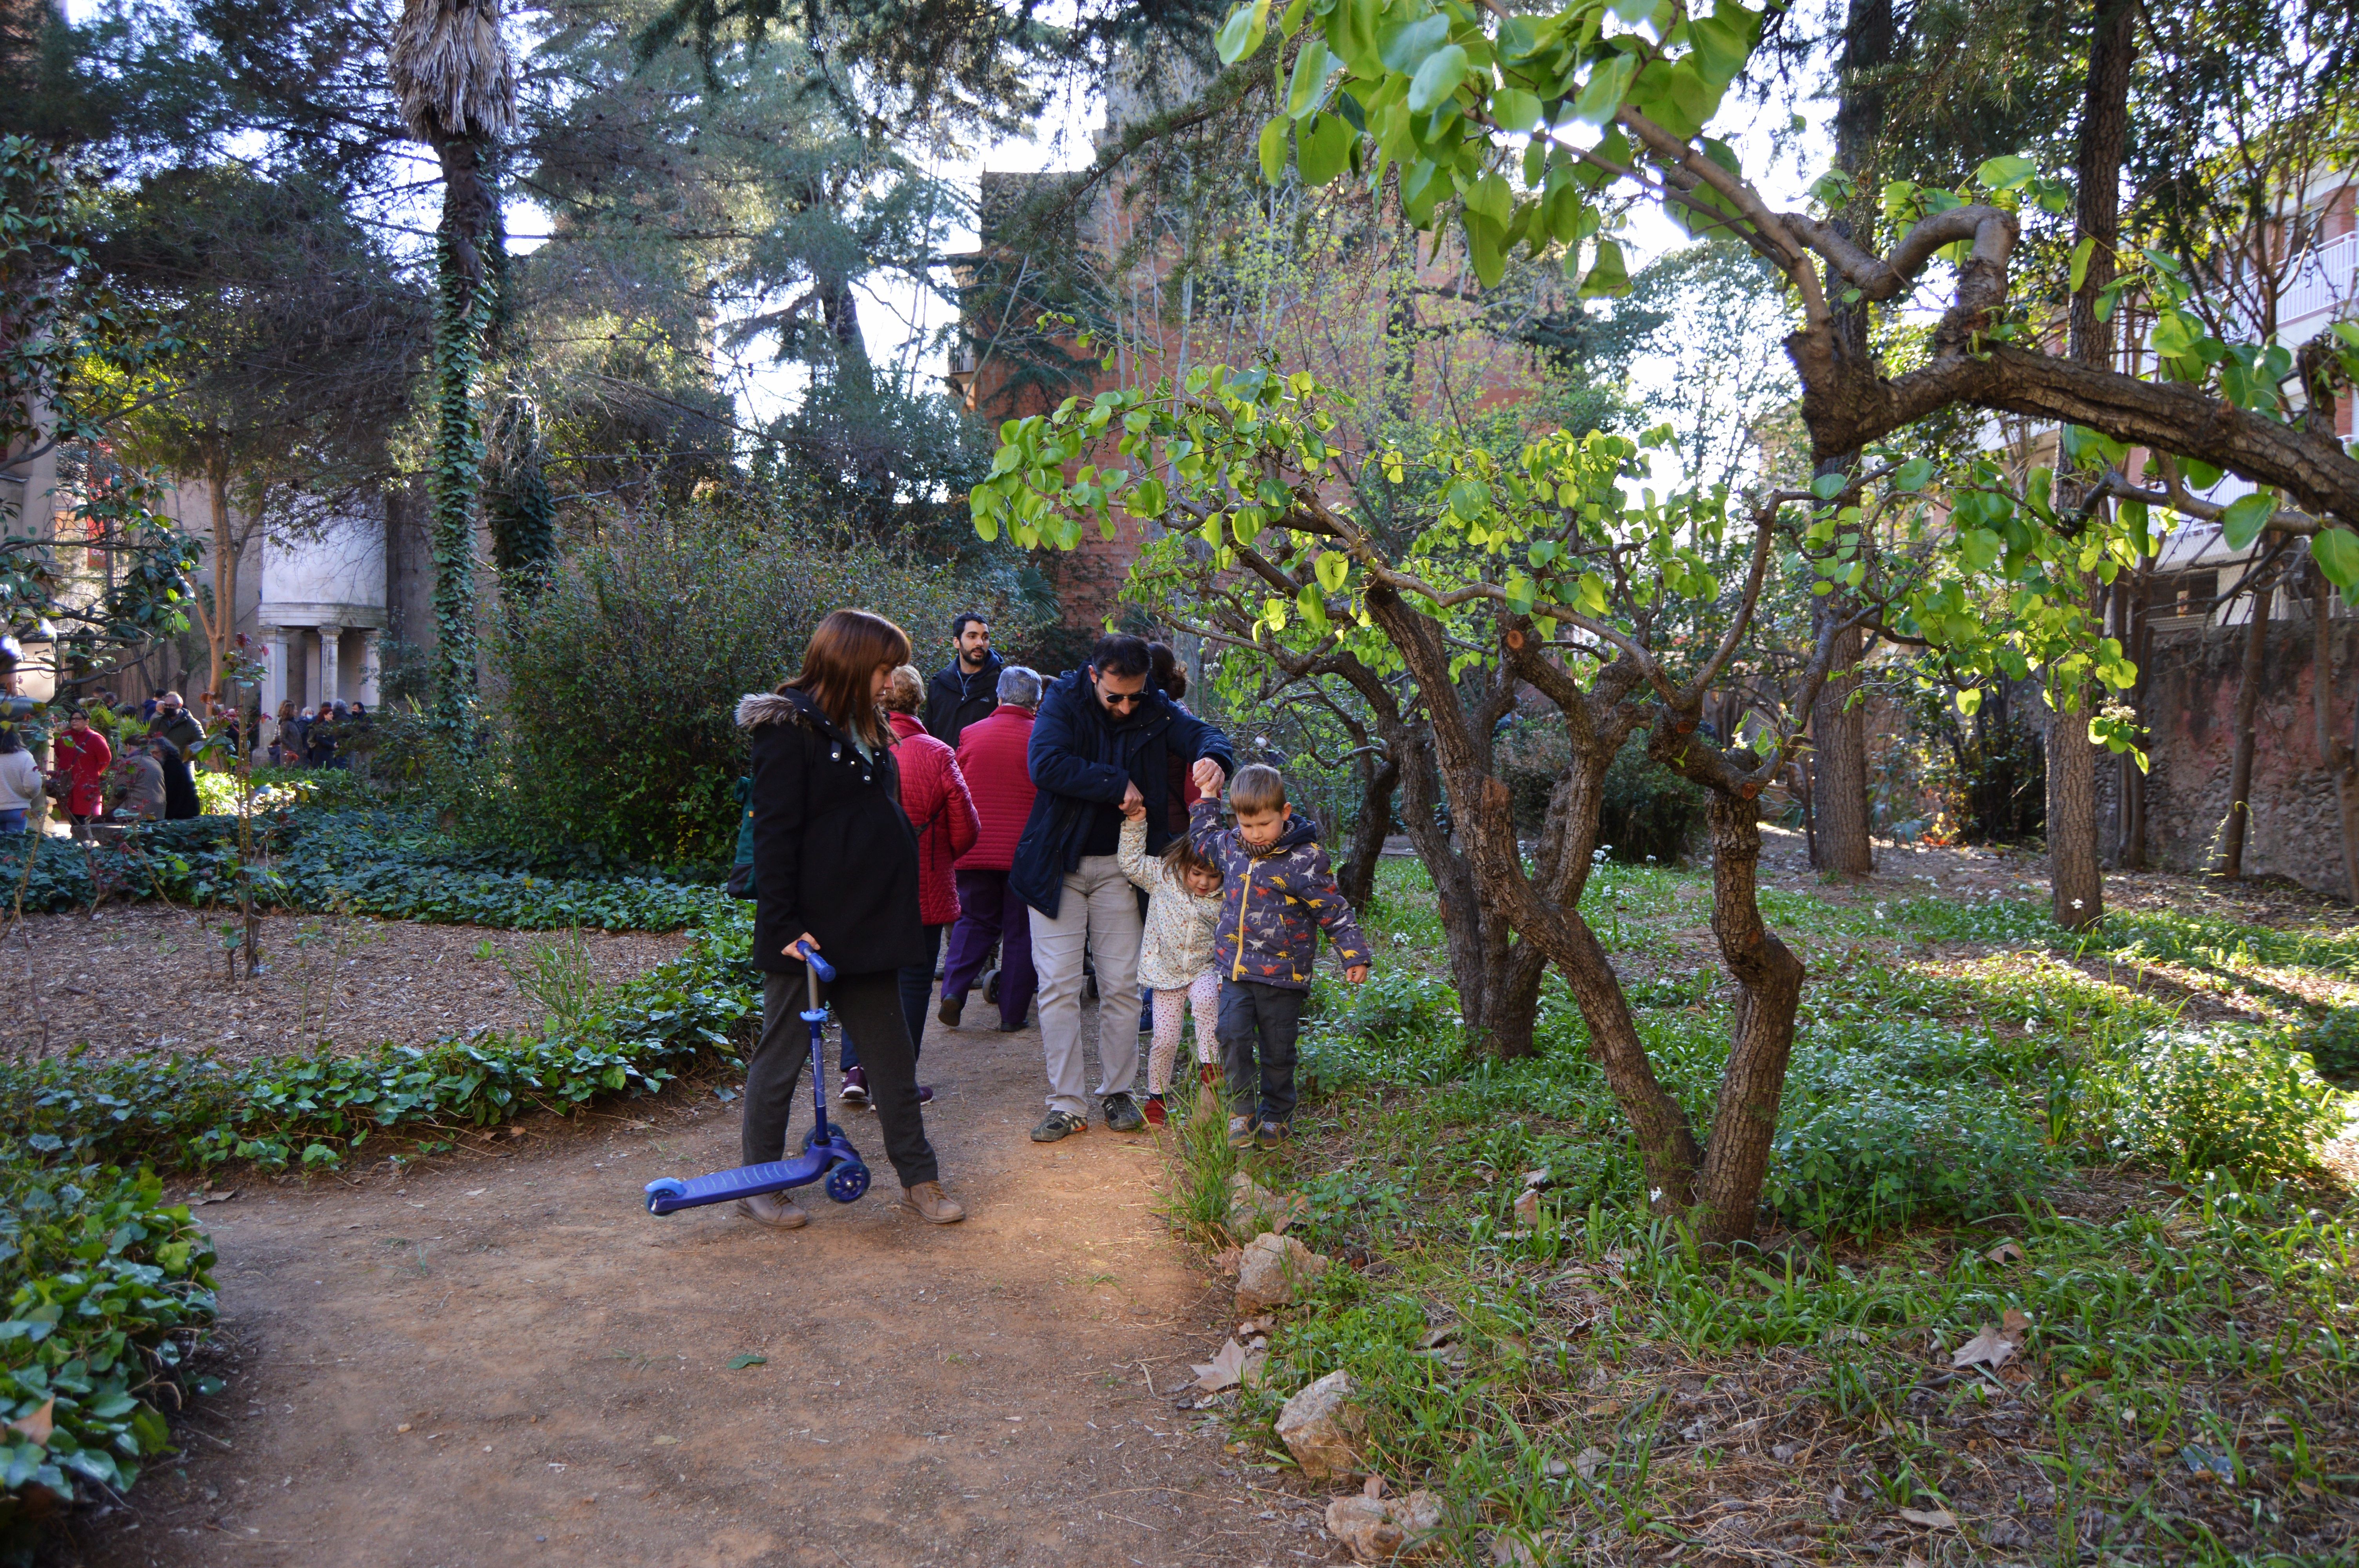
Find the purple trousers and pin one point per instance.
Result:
(990, 911)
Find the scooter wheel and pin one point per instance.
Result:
(664, 1187)
(847, 1182)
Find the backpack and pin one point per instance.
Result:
(741, 871)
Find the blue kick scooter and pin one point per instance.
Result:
(826, 1152)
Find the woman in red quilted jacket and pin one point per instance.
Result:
(934, 798)
(82, 757)
(992, 754)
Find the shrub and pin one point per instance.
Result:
(2213, 1099)
(1649, 813)
(2332, 1043)
(616, 729)
(1858, 1151)
(104, 1288)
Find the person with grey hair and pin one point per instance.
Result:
(991, 757)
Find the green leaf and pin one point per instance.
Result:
(1914, 475)
(1438, 78)
(749, 1358)
(1332, 567)
(2246, 517)
(1323, 149)
(1273, 148)
(1402, 47)
(1242, 33)
(2006, 172)
(2080, 254)
(2336, 551)
(1827, 486)
(1588, 594)
(2199, 474)
(1515, 109)
(1601, 96)
(1609, 276)
(1311, 67)
(1146, 499)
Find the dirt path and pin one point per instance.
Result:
(507, 1360)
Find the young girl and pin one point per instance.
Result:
(1175, 953)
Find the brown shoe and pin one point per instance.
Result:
(770, 1209)
(926, 1201)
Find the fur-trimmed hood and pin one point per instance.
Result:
(757, 708)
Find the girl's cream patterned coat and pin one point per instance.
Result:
(1178, 944)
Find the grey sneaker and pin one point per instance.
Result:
(1122, 1114)
(1058, 1124)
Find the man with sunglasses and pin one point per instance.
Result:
(1103, 743)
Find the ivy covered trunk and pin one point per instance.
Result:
(462, 312)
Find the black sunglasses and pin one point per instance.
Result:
(1126, 698)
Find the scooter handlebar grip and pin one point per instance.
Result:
(819, 966)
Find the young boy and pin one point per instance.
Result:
(1277, 890)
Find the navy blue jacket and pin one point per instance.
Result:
(1079, 762)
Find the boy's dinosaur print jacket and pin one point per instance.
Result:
(1273, 902)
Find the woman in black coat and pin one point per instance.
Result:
(836, 870)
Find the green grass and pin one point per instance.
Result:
(1984, 1115)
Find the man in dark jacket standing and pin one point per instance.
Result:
(1102, 743)
(967, 689)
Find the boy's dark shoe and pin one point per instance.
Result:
(855, 1086)
(950, 1008)
(1270, 1134)
(1122, 1114)
(925, 1094)
(1058, 1124)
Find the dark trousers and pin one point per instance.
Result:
(917, 990)
(870, 1004)
(1258, 1022)
(990, 911)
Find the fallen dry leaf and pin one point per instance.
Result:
(1374, 1486)
(2006, 1252)
(1586, 1463)
(1931, 1518)
(37, 1427)
(1528, 1208)
(1538, 1178)
(1253, 1325)
(198, 1199)
(1227, 1260)
(1225, 1370)
(1994, 1347)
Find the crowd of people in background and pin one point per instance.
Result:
(113, 763)
(1076, 828)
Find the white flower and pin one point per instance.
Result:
(2076, 904)
(1654, 1195)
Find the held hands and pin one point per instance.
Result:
(1209, 778)
(1357, 974)
(1133, 803)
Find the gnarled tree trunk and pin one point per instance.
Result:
(2233, 831)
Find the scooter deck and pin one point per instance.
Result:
(836, 1161)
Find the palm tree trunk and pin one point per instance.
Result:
(463, 311)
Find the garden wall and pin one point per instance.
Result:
(2190, 706)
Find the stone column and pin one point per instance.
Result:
(329, 689)
(275, 653)
(369, 655)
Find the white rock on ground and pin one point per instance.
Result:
(1320, 1426)
(1386, 1529)
(1272, 1269)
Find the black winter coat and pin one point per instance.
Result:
(1079, 762)
(833, 853)
(955, 699)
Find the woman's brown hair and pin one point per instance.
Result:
(843, 656)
